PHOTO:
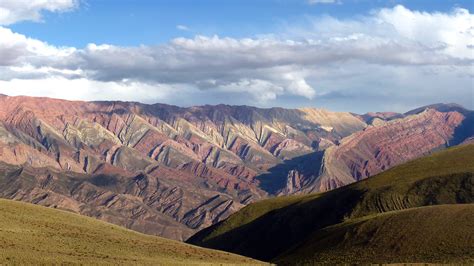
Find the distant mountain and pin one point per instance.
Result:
(171, 171)
(35, 235)
(379, 117)
(337, 225)
(380, 147)
(440, 107)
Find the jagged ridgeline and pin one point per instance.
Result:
(171, 171)
(382, 219)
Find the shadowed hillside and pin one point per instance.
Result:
(269, 228)
(31, 234)
(433, 234)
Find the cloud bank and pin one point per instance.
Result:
(12, 11)
(393, 55)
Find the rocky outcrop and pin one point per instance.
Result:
(293, 182)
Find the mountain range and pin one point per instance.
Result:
(172, 171)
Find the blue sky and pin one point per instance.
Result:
(344, 55)
(135, 22)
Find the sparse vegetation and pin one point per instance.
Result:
(431, 234)
(31, 234)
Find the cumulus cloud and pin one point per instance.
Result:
(328, 56)
(12, 11)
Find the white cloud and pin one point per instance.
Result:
(17, 49)
(84, 89)
(385, 53)
(12, 11)
(455, 31)
(182, 27)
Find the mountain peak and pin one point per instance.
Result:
(441, 107)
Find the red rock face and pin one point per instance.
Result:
(170, 171)
(378, 148)
(158, 169)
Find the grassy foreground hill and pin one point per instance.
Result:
(31, 234)
(441, 233)
(270, 228)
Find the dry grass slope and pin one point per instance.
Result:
(267, 229)
(31, 234)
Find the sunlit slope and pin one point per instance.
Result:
(31, 234)
(430, 234)
(268, 228)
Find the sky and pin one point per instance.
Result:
(343, 55)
